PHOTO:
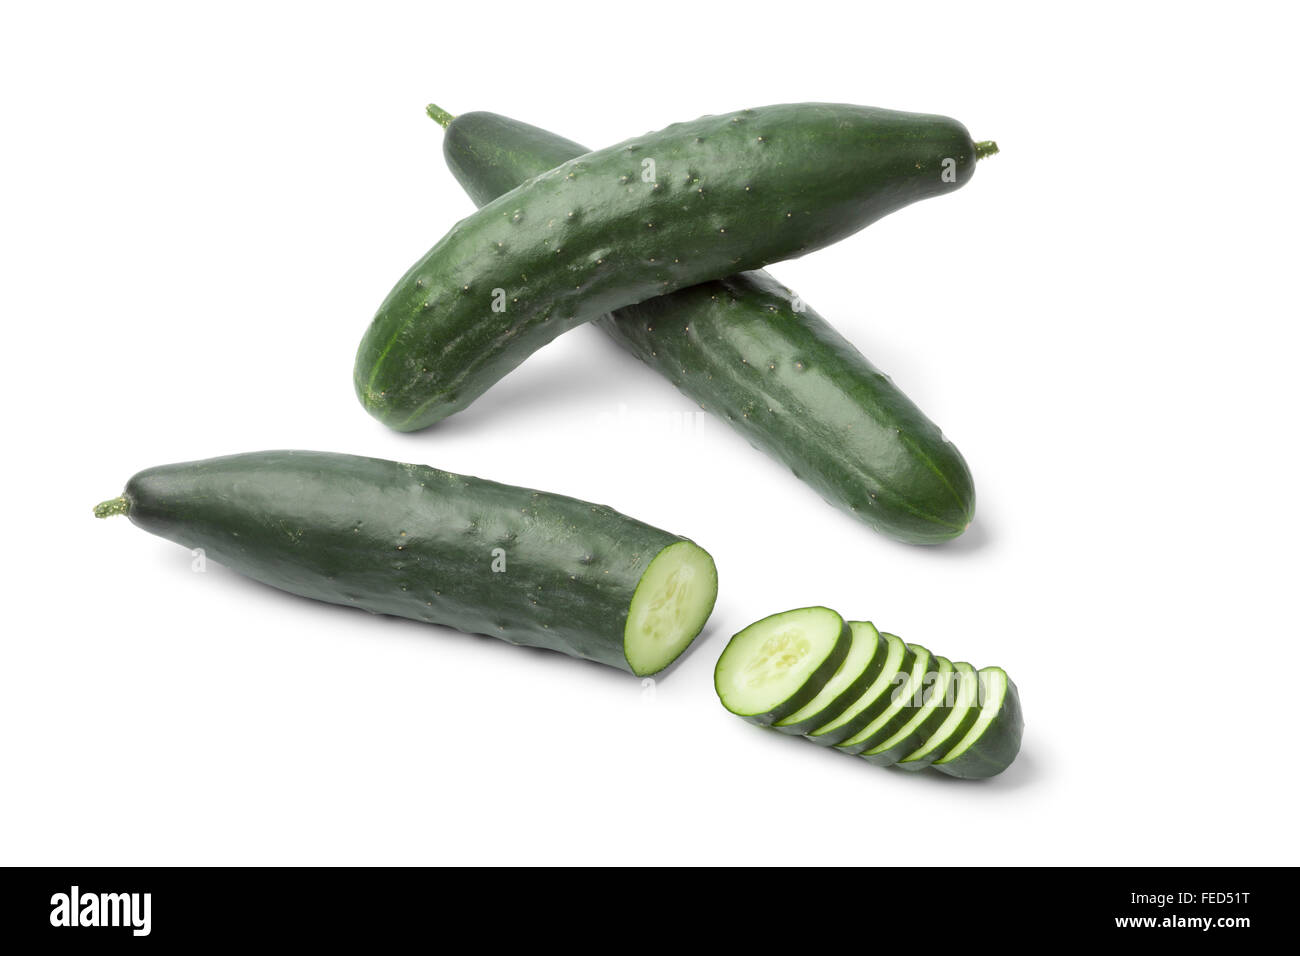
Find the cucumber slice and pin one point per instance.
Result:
(960, 718)
(898, 659)
(672, 601)
(924, 721)
(901, 706)
(994, 740)
(861, 666)
(778, 664)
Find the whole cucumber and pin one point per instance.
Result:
(525, 566)
(693, 202)
(748, 350)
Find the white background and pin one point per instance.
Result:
(201, 211)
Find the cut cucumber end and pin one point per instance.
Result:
(672, 601)
(863, 663)
(985, 148)
(778, 664)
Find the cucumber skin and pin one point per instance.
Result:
(959, 732)
(796, 389)
(846, 697)
(900, 719)
(490, 154)
(730, 193)
(927, 727)
(855, 726)
(781, 376)
(411, 541)
(811, 687)
(997, 748)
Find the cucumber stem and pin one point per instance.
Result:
(983, 148)
(115, 506)
(441, 115)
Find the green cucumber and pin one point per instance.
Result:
(873, 701)
(525, 566)
(902, 704)
(924, 720)
(778, 664)
(748, 350)
(993, 741)
(861, 666)
(694, 202)
(960, 718)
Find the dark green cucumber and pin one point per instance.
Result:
(748, 350)
(922, 721)
(776, 665)
(960, 718)
(861, 666)
(694, 202)
(899, 660)
(903, 701)
(525, 566)
(993, 741)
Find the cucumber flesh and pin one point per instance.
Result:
(672, 601)
(960, 718)
(776, 665)
(861, 666)
(924, 720)
(898, 659)
(901, 706)
(993, 741)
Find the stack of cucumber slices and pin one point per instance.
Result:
(844, 684)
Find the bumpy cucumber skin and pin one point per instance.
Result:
(490, 154)
(728, 194)
(798, 390)
(411, 541)
(747, 350)
(921, 733)
(997, 747)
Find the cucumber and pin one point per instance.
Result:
(778, 664)
(873, 701)
(902, 704)
(751, 352)
(919, 710)
(411, 541)
(924, 720)
(861, 666)
(993, 742)
(694, 202)
(960, 718)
